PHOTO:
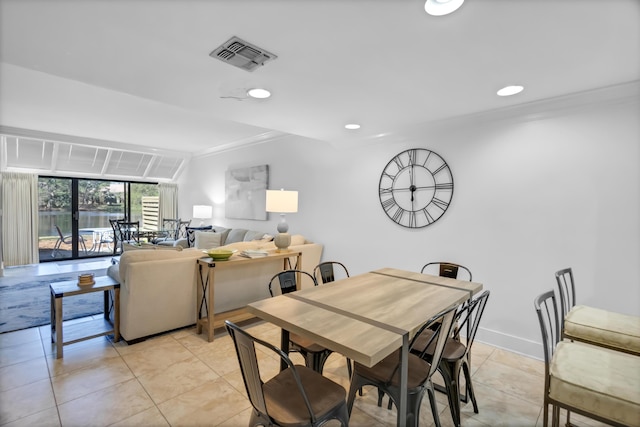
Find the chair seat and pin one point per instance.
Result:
(453, 350)
(597, 380)
(382, 371)
(288, 408)
(605, 328)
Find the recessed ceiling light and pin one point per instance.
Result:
(442, 7)
(259, 93)
(352, 126)
(510, 90)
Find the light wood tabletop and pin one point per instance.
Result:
(368, 316)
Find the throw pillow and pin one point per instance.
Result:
(207, 240)
(114, 272)
(191, 234)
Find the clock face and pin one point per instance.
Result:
(416, 188)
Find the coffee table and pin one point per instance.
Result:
(76, 332)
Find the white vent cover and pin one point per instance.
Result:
(241, 54)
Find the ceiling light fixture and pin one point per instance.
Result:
(442, 7)
(259, 93)
(352, 126)
(510, 90)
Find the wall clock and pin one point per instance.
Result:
(416, 188)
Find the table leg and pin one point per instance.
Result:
(116, 315)
(404, 377)
(58, 320)
(199, 301)
(284, 346)
(210, 313)
(52, 317)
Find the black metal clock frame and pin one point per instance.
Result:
(416, 188)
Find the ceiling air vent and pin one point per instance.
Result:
(241, 54)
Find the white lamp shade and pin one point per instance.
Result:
(282, 201)
(202, 211)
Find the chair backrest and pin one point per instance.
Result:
(327, 271)
(469, 316)
(547, 311)
(567, 291)
(246, 352)
(128, 230)
(59, 232)
(181, 232)
(171, 226)
(448, 269)
(441, 325)
(288, 281)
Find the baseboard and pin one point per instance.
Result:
(510, 342)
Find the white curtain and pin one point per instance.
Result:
(167, 202)
(19, 207)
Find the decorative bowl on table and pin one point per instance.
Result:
(86, 280)
(219, 254)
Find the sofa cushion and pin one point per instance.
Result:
(149, 246)
(236, 235)
(253, 235)
(208, 240)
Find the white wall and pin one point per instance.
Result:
(532, 196)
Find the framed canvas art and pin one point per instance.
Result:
(245, 192)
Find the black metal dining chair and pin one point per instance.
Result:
(448, 269)
(325, 272)
(296, 396)
(456, 354)
(385, 375)
(314, 354)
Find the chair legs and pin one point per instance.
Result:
(414, 397)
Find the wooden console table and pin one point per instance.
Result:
(205, 288)
(84, 330)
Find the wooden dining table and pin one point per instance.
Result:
(366, 317)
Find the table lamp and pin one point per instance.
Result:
(202, 212)
(282, 202)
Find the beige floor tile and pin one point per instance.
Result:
(212, 403)
(23, 373)
(106, 406)
(94, 377)
(497, 408)
(10, 339)
(26, 400)
(241, 419)
(47, 418)
(176, 379)
(156, 358)
(21, 352)
(510, 380)
(81, 355)
(527, 364)
(221, 357)
(150, 417)
(148, 345)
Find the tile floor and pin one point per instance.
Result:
(179, 379)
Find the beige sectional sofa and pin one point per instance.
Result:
(158, 286)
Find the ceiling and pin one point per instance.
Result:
(139, 72)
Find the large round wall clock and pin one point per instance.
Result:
(416, 188)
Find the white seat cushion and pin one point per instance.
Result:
(597, 380)
(601, 327)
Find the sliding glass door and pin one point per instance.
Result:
(74, 214)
